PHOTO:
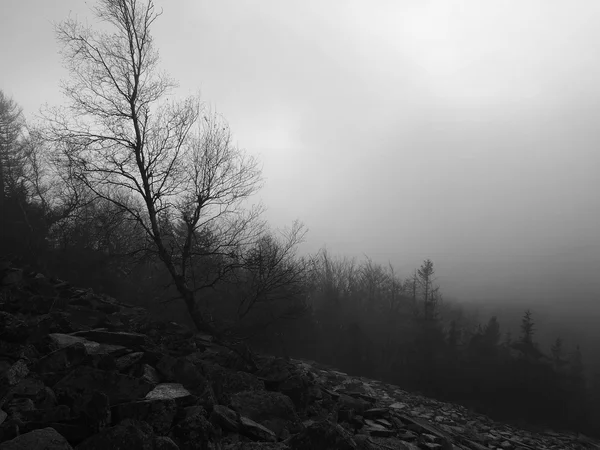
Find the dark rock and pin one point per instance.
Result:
(165, 443)
(63, 359)
(78, 387)
(98, 412)
(44, 439)
(158, 413)
(92, 347)
(193, 431)
(50, 415)
(256, 431)
(260, 405)
(12, 277)
(271, 409)
(181, 371)
(375, 413)
(12, 329)
(120, 437)
(257, 446)
(119, 338)
(125, 362)
(15, 373)
(322, 435)
(225, 418)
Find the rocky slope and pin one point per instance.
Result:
(79, 370)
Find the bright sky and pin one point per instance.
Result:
(462, 131)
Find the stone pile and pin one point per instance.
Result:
(84, 371)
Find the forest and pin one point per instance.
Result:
(145, 197)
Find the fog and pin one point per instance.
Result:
(465, 132)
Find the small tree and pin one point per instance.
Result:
(12, 155)
(527, 328)
(124, 133)
(557, 351)
(429, 292)
(271, 271)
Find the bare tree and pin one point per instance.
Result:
(125, 133)
(273, 270)
(12, 160)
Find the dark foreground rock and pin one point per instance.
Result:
(83, 371)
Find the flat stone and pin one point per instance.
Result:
(375, 413)
(92, 347)
(398, 406)
(130, 340)
(174, 391)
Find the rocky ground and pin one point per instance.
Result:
(79, 370)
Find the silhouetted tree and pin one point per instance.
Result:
(12, 158)
(124, 132)
(429, 292)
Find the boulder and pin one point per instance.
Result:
(44, 439)
(78, 387)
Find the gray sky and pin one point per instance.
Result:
(462, 131)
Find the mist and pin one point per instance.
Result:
(461, 132)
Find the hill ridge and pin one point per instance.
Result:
(85, 371)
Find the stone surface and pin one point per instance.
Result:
(44, 439)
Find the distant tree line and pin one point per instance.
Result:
(367, 321)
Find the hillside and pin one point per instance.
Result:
(85, 371)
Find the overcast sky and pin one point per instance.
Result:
(467, 132)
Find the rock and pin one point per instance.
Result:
(193, 431)
(44, 439)
(260, 405)
(182, 371)
(164, 443)
(12, 277)
(92, 347)
(171, 391)
(47, 416)
(322, 435)
(129, 340)
(256, 431)
(63, 359)
(271, 409)
(375, 413)
(120, 437)
(17, 372)
(257, 446)
(12, 329)
(225, 382)
(126, 361)
(359, 406)
(100, 374)
(78, 387)
(147, 373)
(225, 418)
(18, 406)
(158, 413)
(98, 411)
